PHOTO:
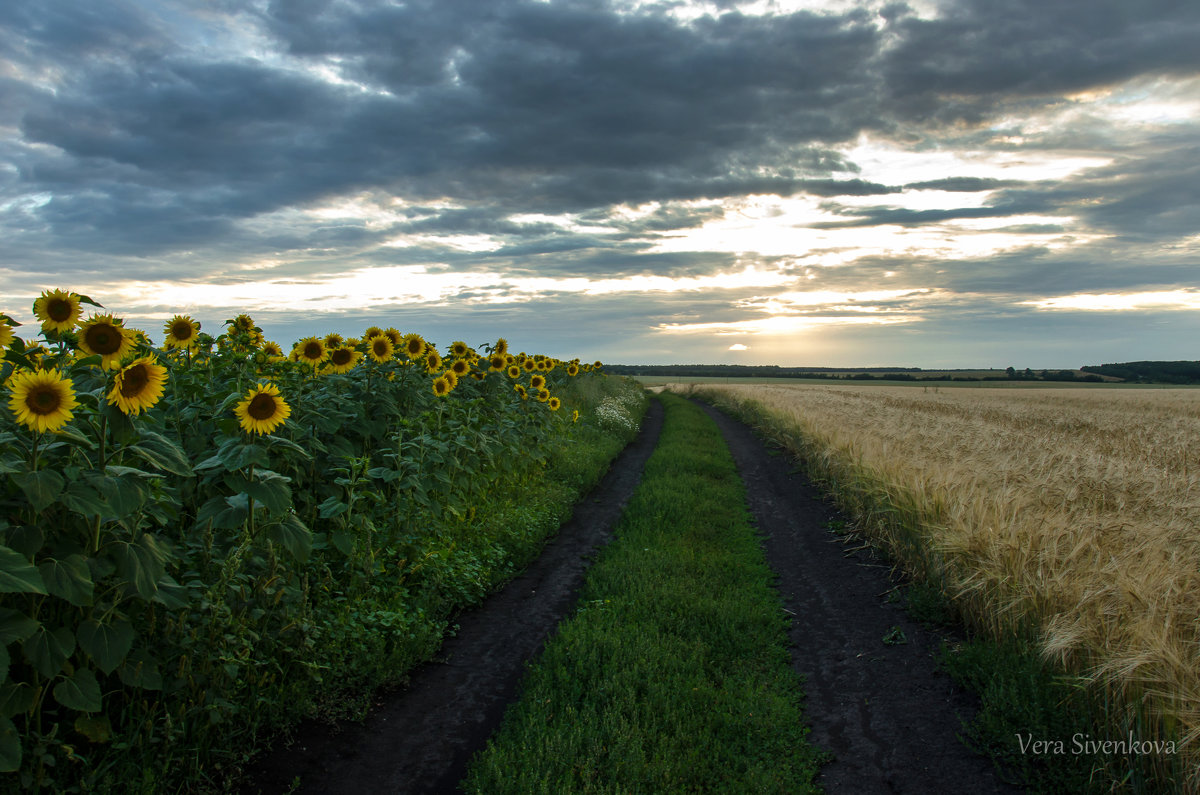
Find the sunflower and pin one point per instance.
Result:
(537, 382)
(243, 323)
(343, 360)
(460, 367)
(433, 362)
(450, 377)
(181, 332)
(262, 410)
(106, 337)
(310, 351)
(372, 331)
(514, 372)
(554, 403)
(596, 365)
(413, 346)
(395, 336)
(138, 385)
(575, 415)
(42, 400)
(273, 350)
(441, 387)
(572, 369)
(380, 348)
(497, 362)
(543, 395)
(6, 333)
(460, 349)
(529, 365)
(501, 347)
(57, 309)
(520, 390)
(542, 365)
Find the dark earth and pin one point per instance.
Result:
(888, 716)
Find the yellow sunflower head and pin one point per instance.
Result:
(58, 310)
(394, 335)
(273, 350)
(537, 382)
(501, 347)
(572, 369)
(575, 415)
(459, 349)
(414, 346)
(311, 351)
(41, 399)
(372, 331)
(460, 367)
(262, 409)
(497, 362)
(543, 395)
(106, 337)
(520, 390)
(343, 360)
(514, 372)
(596, 365)
(451, 378)
(380, 348)
(242, 323)
(433, 362)
(352, 343)
(529, 365)
(181, 332)
(7, 335)
(441, 387)
(554, 403)
(332, 340)
(138, 385)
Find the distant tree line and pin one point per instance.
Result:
(1150, 372)
(844, 373)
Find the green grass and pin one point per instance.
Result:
(674, 674)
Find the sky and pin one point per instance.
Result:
(937, 183)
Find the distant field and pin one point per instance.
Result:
(662, 380)
(1072, 511)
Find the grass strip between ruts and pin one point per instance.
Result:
(674, 673)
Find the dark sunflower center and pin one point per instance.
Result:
(380, 346)
(341, 356)
(414, 347)
(181, 330)
(103, 339)
(262, 406)
(313, 350)
(43, 400)
(134, 380)
(59, 310)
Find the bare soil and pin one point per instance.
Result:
(883, 709)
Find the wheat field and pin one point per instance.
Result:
(1072, 511)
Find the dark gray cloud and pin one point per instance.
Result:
(152, 139)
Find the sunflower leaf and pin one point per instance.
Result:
(293, 536)
(163, 453)
(15, 626)
(107, 644)
(69, 578)
(42, 488)
(17, 574)
(83, 299)
(80, 691)
(47, 651)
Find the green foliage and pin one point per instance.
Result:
(173, 588)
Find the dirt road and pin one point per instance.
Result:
(879, 706)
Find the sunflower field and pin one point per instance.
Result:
(205, 540)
